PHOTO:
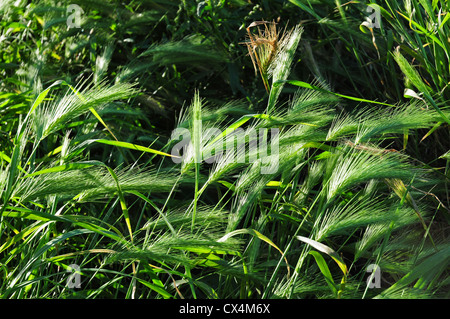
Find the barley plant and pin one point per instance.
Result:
(224, 149)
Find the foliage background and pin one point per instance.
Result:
(366, 176)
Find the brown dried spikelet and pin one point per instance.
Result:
(263, 46)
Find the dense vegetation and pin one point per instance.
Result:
(356, 95)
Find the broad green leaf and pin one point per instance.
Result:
(327, 250)
(324, 270)
(155, 288)
(20, 236)
(42, 96)
(228, 185)
(8, 159)
(446, 18)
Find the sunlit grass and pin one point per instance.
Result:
(360, 140)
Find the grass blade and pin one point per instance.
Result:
(327, 250)
(132, 147)
(122, 202)
(60, 168)
(313, 87)
(324, 270)
(256, 234)
(416, 80)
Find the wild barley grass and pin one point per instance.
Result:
(359, 138)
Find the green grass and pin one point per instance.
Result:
(87, 174)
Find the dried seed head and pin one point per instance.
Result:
(263, 46)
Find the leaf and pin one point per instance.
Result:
(277, 184)
(36, 103)
(256, 234)
(313, 87)
(42, 96)
(205, 250)
(164, 217)
(324, 270)
(163, 292)
(81, 252)
(93, 111)
(434, 128)
(81, 221)
(241, 121)
(55, 151)
(327, 250)
(8, 159)
(411, 94)
(228, 185)
(14, 284)
(20, 236)
(416, 80)
(423, 30)
(65, 167)
(244, 119)
(446, 156)
(132, 146)
(17, 212)
(426, 272)
(306, 8)
(446, 18)
(122, 202)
